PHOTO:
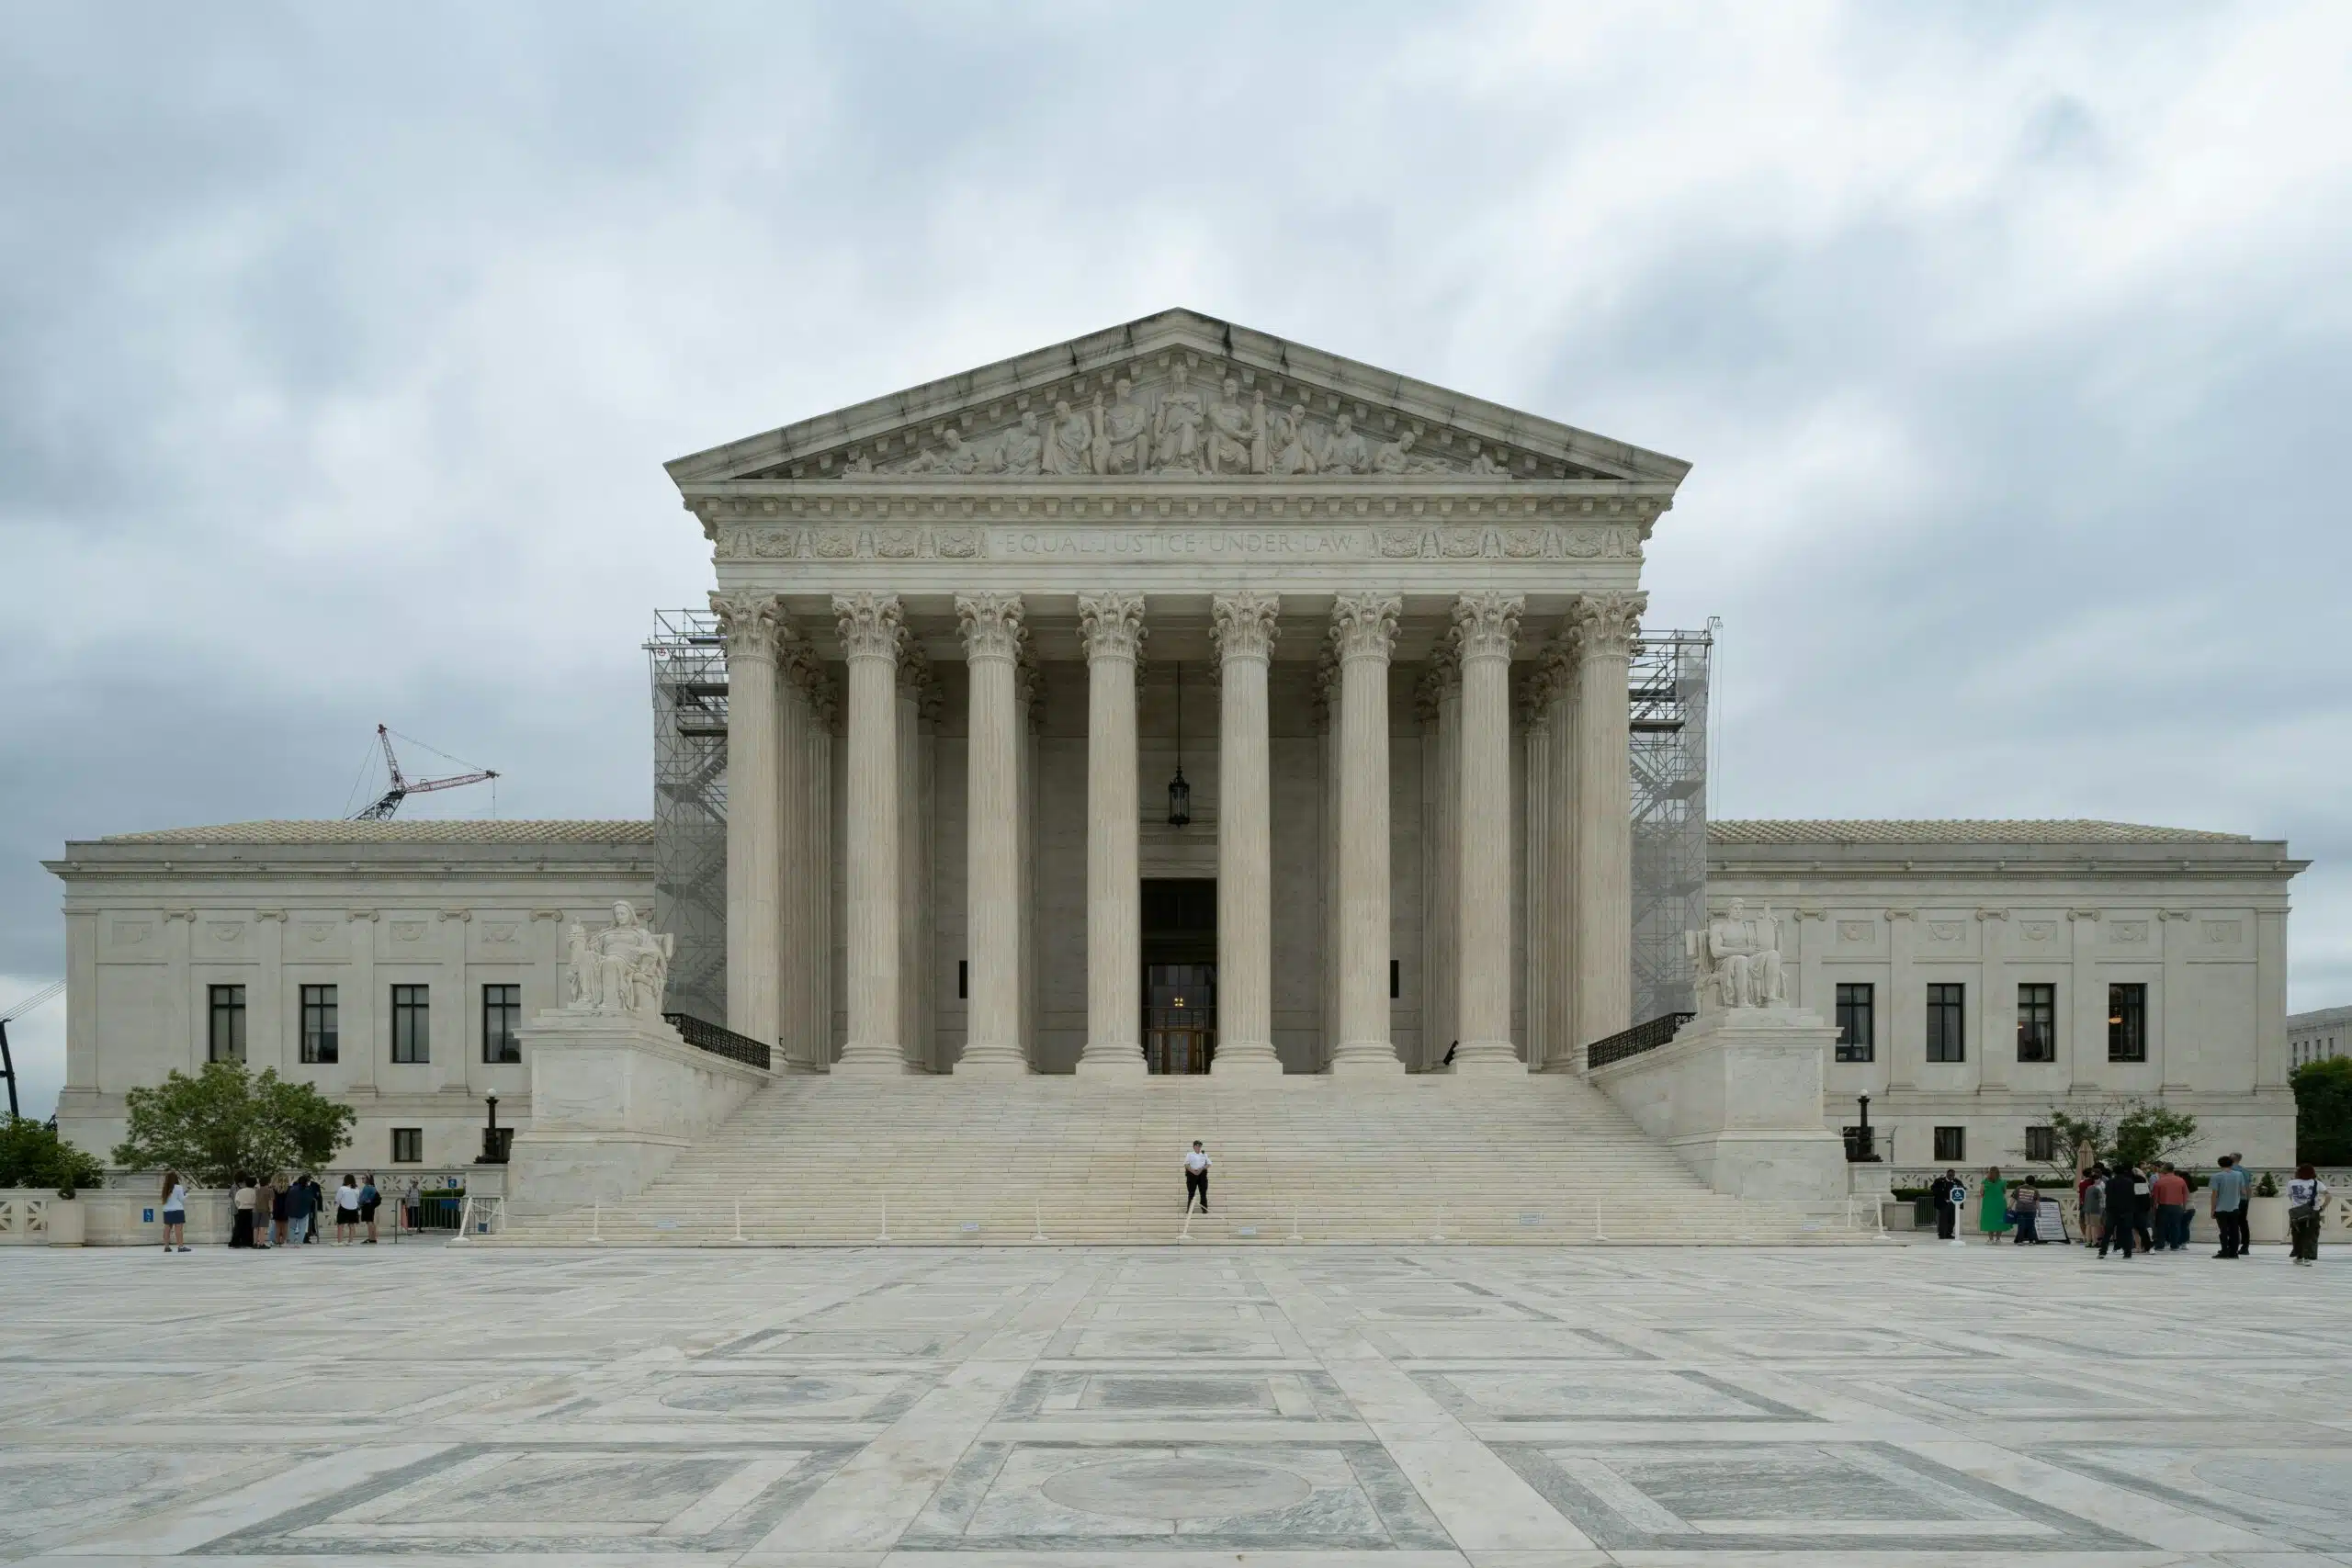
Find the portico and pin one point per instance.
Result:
(969, 623)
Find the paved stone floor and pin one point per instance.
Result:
(1895, 1405)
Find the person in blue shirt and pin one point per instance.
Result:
(2231, 1188)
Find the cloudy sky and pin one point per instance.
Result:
(341, 348)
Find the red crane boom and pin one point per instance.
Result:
(403, 787)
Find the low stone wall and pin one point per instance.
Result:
(1736, 1094)
(615, 1099)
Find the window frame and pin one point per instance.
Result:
(508, 1012)
(224, 1010)
(2041, 1145)
(1852, 1008)
(320, 1016)
(412, 1139)
(2041, 1014)
(2126, 1021)
(1953, 1041)
(1953, 1153)
(411, 1024)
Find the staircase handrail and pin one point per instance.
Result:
(1632, 1042)
(704, 1035)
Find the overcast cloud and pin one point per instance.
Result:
(341, 349)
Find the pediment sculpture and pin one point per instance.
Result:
(1738, 959)
(624, 968)
(1184, 426)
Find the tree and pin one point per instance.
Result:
(2324, 1110)
(32, 1154)
(225, 1121)
(2136, 1131)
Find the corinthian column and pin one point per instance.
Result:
(1111, 626)
(1363, 627)
(1243, 625)
(1605, 624)
(1484, 626)
(871, 628)
(751, 624)
(992, 624)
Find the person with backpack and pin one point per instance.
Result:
(1948, 1192)
(2306, 1200)
(2123, 1201)
(369, 1199)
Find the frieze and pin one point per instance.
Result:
(1304, 538)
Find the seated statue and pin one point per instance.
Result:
(623, 968)
(1742, 959)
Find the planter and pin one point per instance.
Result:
(2265, 1218)
(67, 1219)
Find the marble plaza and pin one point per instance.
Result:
(1894, 1405)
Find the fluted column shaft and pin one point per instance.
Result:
(1244, 626)
(992, 624)
(1485, 625)
(1605, 624)
(870, 628)
(1562, 1048)
(751, 624)
(1539, 879)
(1111, 625)
(1363, 626)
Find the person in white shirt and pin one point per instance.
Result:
(2306, 1200)
(174, 1199)
(347, 1211)
(1196, 1177)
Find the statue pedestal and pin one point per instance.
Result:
(1736, 1094)
(614, 1097)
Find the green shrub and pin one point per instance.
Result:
(2324, 1110)
(32, 1154)
(225, 1121)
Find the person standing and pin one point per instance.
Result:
(1948, 1194)
(2029, 1212)
(346, 1211)
(1993, 1208)
(1196, 1176)
(2231, 1189)
(241, 1229)
(2144, 1208)
(2306, 1200)
(174, 1199)
(368, 1198)
(2170, 1189)
(317, 1206)
(265, 1210)
(2121, 1187)
(301, 1203)
(2093, 1200)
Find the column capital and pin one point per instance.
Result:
(1363, 626)
(753, 624)
(1605, 624)
(991, 623)
(1486, 624)
(1111, 625)
(872, 624)
(1243, 625)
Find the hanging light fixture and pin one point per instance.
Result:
(1179, 794)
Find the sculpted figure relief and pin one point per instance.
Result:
(1176, 427)
(1741, 959)
(1182, 427)
(622, 969)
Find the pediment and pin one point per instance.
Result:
(1179, 397)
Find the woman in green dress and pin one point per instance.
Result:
(1993, 1208)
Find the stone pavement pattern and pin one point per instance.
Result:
(1409, 1406)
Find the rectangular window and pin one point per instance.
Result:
(1857, 1031)
(963, 979)
(1946, 1013)
(502, 1024)
(1951, 1144)
(411, 1023)
(2040, 1143)
(225, 1026)
(322, 1034)
(2127, 1022)
(407, 1146)
(2037, 1023)
(1395, 981)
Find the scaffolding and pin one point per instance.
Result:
(1668, 694)
(687, 661)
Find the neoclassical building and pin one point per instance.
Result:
(1183, 700)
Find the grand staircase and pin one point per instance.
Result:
(838, 1161)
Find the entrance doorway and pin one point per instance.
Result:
(1179, 975)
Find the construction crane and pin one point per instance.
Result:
(403, 786)
(7, 1061)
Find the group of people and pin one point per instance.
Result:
(275, 1211)
(2121, 1204)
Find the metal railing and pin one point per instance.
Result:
(1635, 1040)
(704, 1035)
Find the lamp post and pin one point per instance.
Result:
(493, 1145)
(1179, 794)
(1863, 1148)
